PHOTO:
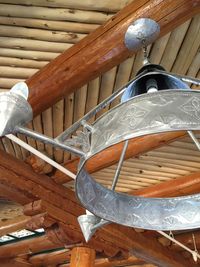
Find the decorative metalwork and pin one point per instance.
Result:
(145, 114)
(14, 111)
(141, 32)
(81, 140)
(138, 114)
(161, 111)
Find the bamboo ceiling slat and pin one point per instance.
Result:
(47, 122)
(175, 164)
(19, 73)
(68, 117)
(24, 54)
(194, 67)
(25, 153)
(106, 88)
(31, 141)
(165, 159)
(42, 35)
(65, 26)
(20, 62)
(8, 146)
(92, 96)
(122, 76)
(158, 49)
(60, 14)
(79, 103)
(58, 121)
(28, 44)
(17, 149)
(189, 47)
(37, 126)
(103, 5)
(8, 82)
(173, 45)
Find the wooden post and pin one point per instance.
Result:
(82, 257)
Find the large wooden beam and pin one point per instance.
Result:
(111, 155)
(102, 49)
(14, 224)
(19, 174)
(189, 184)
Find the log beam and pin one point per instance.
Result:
(14, 224)
(52, 258)
(186, 185)
(82, 257)
(102, 50)
(111, 155)
(14, 172)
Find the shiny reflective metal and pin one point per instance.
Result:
(170, 110)
(138, 114)
(14, 110)
(87, 222)
(156, 73)
(140, 33)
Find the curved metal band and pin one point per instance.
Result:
(163, 111)
(148, 213)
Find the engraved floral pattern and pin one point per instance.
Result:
(192, 107)
(132, 115)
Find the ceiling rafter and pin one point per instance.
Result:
(101, 50)
(123, 237)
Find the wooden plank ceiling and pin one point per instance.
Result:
(33, 32)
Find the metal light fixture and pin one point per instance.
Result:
(154, 101)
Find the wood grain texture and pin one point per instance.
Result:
(82, 257)
(102, 50)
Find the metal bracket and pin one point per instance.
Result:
(140, 33)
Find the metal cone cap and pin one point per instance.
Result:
(87, 222)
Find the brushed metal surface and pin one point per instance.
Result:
(143, 31)
(14, 111)
(169, 110)
(162, 111)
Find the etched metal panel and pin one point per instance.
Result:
(169, 110)
(176, 213)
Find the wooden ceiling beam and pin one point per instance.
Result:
(14, 224)
(18, 174)
(111, 155)
(29, 246)
(186, 185)
(101, 50)
(45, 259)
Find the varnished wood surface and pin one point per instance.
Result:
(82, 257)
(101, 50)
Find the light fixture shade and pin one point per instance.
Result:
(152, 71)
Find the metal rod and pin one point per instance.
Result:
(195, 140)
(93, 111)
(119, 166)
(41, 155)
(195, 254)
(47, 140)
